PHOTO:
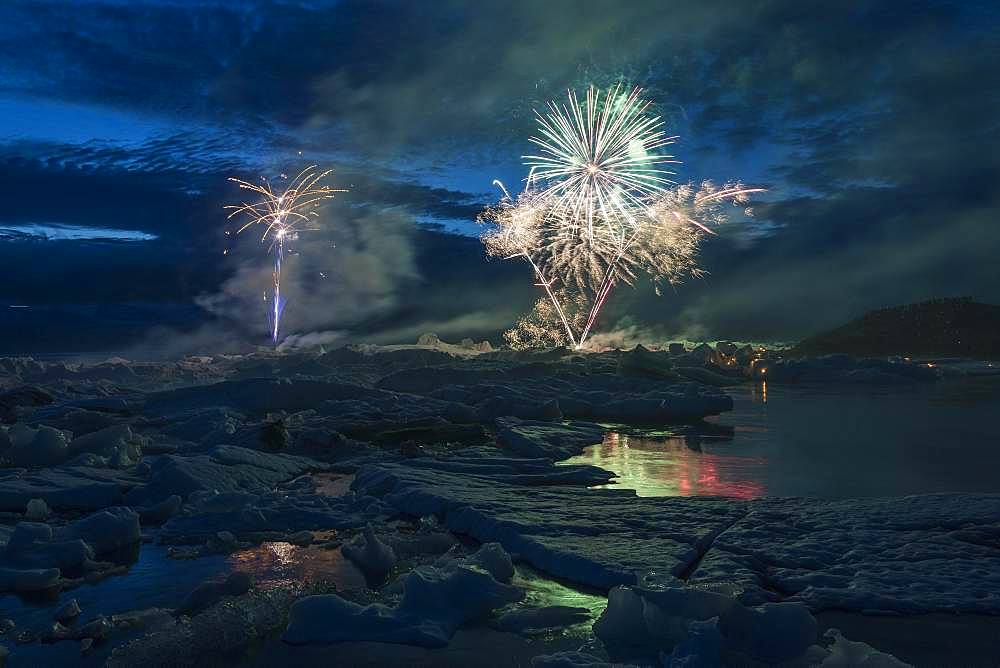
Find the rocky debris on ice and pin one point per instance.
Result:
(436, 600)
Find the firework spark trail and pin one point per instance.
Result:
(598, 207)
(511, 239)
(283, 215)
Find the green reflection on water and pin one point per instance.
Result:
(541, 590)
(664, 464)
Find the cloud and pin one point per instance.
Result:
(331, 278)
(57, 231)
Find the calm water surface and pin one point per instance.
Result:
(821, 442)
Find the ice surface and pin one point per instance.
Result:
(66, 487)
(465, 446)
(909, 554)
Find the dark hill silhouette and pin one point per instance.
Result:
(940, 327)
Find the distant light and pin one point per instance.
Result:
(18, 306)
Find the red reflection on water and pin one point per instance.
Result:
(673, 467)
(275, 564)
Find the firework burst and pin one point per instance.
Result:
(599, 208)
(599, 160)
(282, 213)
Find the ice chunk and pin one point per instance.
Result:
(643, 622)
(774, 632)
(701, 649)
(43, 446)
(536, 619)
(495, 561)
(435, 602)
(36, 510)
(117, 444)
(371, 555)
(67, 611)
(106, 531)
(570, 660)
(846, 653)
(28, 580)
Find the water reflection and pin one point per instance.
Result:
(758, 392)
(827, 441)
(675, 465)
(279, 564)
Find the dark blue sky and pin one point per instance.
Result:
(873, 124)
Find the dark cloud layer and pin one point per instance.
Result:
(872, 123)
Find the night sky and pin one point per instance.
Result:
(874, 125)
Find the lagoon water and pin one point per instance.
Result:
(828, 442)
